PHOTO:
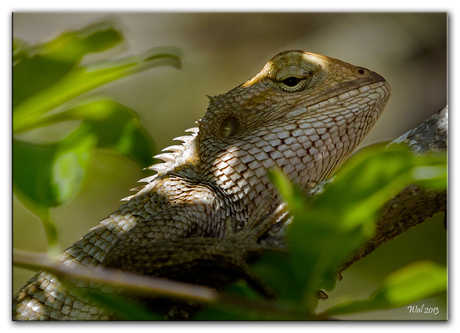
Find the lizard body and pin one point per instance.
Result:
(303, 113)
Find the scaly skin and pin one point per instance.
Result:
(304, 113)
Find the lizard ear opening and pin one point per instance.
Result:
(229, 127)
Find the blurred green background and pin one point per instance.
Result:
(222, 50)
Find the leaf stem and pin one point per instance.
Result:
(51, 234)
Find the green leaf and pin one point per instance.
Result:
(51, 61)
(290, 192)
(19, 50)
(317, 244)
(123, 133)
(403, 287)
(51, 232)
(431, 172)
(47, 75)
(52, 74)
(81, 80)
(220, 312)
(216, 311)
(366, 182)
(231, 313)
(332, 226)
(124, 308)
(50, 175)
(116, 127)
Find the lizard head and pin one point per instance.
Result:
(303, 113)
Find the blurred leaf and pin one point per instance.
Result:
(51, 175)
(222, 312)
(51, 75)
(123, 307)
(290, 192)
(231, 313)
(48, 75)
(280, 311)
(123, 133)
(432, 172)
(332, 226)
(51, 61)
(405, 286)
(317, 245)
(279, 273)
(19, 50)
(45, 176)
(81, 80)
(116, 127)
(51, 233)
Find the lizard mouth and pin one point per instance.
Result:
(367, 90)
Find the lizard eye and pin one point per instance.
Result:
(293, 84)
(291, 81)
(229, 127)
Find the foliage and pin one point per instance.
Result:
(403, 287)
(47, 78)
(331, 227)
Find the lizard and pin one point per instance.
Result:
(304, 113)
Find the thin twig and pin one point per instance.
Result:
(137, 283)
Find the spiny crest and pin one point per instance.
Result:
(172, 156)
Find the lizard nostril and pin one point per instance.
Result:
(360, 72)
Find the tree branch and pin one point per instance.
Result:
(142, 285)
(413, 204)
